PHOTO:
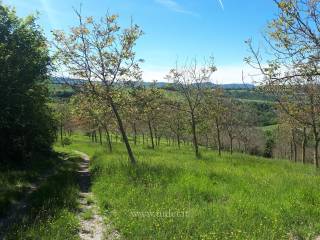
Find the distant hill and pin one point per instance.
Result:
(62, 80)
(208, 85)
(238, 86)
(71, 81)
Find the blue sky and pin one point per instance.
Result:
(174, 29)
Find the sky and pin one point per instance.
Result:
(174, 30)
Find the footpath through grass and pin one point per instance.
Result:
(52, 208)
(171, 195)
(16, 180)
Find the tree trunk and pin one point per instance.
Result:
(151, 134)
(316, 154)
(155, 135)
(61, 133)
(291, 151)
(294, 145)
(95, 136)
(123, 132)
(100, 135)
(207, 141)
(194, 133)
(295, 151)
(108, 139)
(304, 143)
(178, 140)
(231, 143)
(315, 132)
(218, 136)
(135, 133)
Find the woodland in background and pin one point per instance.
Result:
(246, 124)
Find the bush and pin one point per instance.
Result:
(66, 141)
(26, 121)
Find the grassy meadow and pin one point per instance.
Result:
(170, 194)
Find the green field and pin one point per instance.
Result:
(170, 194)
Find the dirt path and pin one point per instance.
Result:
(92, 225)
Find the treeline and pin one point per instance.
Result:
(155, 117)
(265, 110)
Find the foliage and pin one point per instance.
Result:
(268, 152)
(66, 141)
(26, 122)
(101, 54)
(290, 66)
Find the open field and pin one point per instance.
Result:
(170, 194)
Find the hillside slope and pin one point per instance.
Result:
(171, 195)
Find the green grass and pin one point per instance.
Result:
(87, 214)
(171, 195)
(269, 128)
(15, 180)
(52, 208)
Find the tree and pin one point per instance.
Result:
(231, 120)
(175, 119)
(100, 54)
(214, 106)
(63, 115)
(98, 116)
(26, 121)
(190, 81)
(291, 72)
(148, 102)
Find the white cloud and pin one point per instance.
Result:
(175, 7)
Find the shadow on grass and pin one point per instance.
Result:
(49, 211)
(17, 179)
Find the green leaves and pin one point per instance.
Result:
(26, 123)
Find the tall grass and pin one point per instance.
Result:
(16, 179)
(52, 208)
(170, 194)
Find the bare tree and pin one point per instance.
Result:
(175, 120)
(215, 107)
(290, 66)
(231, 120)
(101, 54)
(190, 81)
